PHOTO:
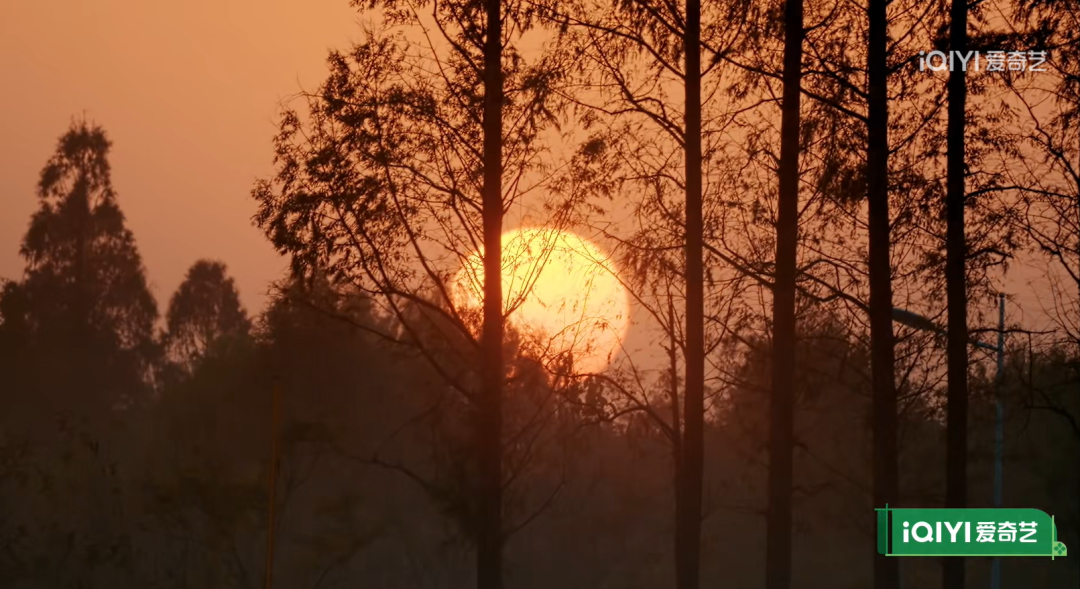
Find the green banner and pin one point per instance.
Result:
(967, 532)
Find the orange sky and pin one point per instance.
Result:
(188, 92)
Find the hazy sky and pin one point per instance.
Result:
(188, 91)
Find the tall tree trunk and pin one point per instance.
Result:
(688, 504)
(956, 289)
(1076, 177)
(886, 467)
(489, 540)
(782, 409)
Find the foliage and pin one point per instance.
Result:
(203, 312)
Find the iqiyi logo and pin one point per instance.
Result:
(1004, 531)
(991, 61)
(967, 532)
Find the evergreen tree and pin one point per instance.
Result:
(79, 326)
(204, 312)
(83, 302)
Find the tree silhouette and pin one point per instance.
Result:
(411, 157)
(86, 304)
(883, 354)
(647, 75)
(782, 399)
(81, 324)
(204, 311)
(956, 286)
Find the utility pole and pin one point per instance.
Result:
(275, 424)
(999, 432)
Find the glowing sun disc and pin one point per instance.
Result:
(563, 291)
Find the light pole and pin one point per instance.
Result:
(917, 321)
(999, 433)
(275, 450)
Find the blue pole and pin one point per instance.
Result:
(999, 434)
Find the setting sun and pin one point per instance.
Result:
(562, 292)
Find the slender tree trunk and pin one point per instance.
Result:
(886, 461)
(489, 541)
(782, 406)
(688, 504)
(956, 289)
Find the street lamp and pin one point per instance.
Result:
(916, 321)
